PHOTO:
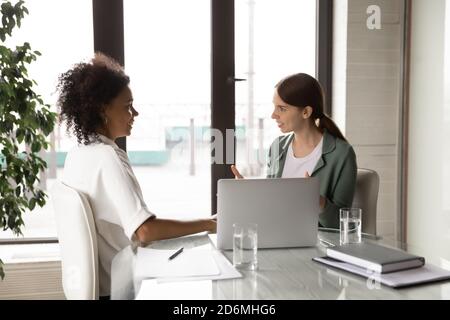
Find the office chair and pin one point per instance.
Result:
(366, 197)
(78, 242)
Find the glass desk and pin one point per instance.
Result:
(282, 274)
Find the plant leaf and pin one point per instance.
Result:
(2, 273)
(24, 119)
(18, 191)
(32, 204)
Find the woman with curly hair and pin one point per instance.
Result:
(96, 103)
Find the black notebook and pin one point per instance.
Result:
(374, 257)
(404, 278)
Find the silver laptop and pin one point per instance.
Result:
(285, 210)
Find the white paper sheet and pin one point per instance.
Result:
(192, 288)
(151, 289)
(227, 270)
(153, 263)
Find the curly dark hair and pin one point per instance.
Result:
(84, 90)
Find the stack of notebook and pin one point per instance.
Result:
(392, 267)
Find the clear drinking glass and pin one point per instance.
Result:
(245, 246)
(350, 225)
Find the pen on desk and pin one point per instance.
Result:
(176, 253)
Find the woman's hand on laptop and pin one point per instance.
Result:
(323, 201)
(236, 172)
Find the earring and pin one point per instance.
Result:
(106, 121)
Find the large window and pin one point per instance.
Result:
(167, 55)
(273, 39)
(62, 32)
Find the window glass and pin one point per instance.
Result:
(64, 37)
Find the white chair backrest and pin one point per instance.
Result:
(78, 242)
(366, 197)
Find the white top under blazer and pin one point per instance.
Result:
(296, 167)
(102, 171)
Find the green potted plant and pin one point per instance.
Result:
(25, 122)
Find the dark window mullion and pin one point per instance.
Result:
(324, 49)
(222, 84)
(109, 35)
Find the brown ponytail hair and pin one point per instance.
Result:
(302, 90)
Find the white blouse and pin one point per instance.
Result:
(296, 167)
(102, 171)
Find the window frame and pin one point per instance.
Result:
(108, 28)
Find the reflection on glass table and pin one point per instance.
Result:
(282, 274)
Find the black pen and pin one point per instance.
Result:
(176, 253)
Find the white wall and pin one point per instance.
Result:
(428, 221)
(367, 77)
(339, 93)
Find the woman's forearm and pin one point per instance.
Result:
(160, 229)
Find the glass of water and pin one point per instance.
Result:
(350, 225)
(245, 246)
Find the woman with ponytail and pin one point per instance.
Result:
(316, 146)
